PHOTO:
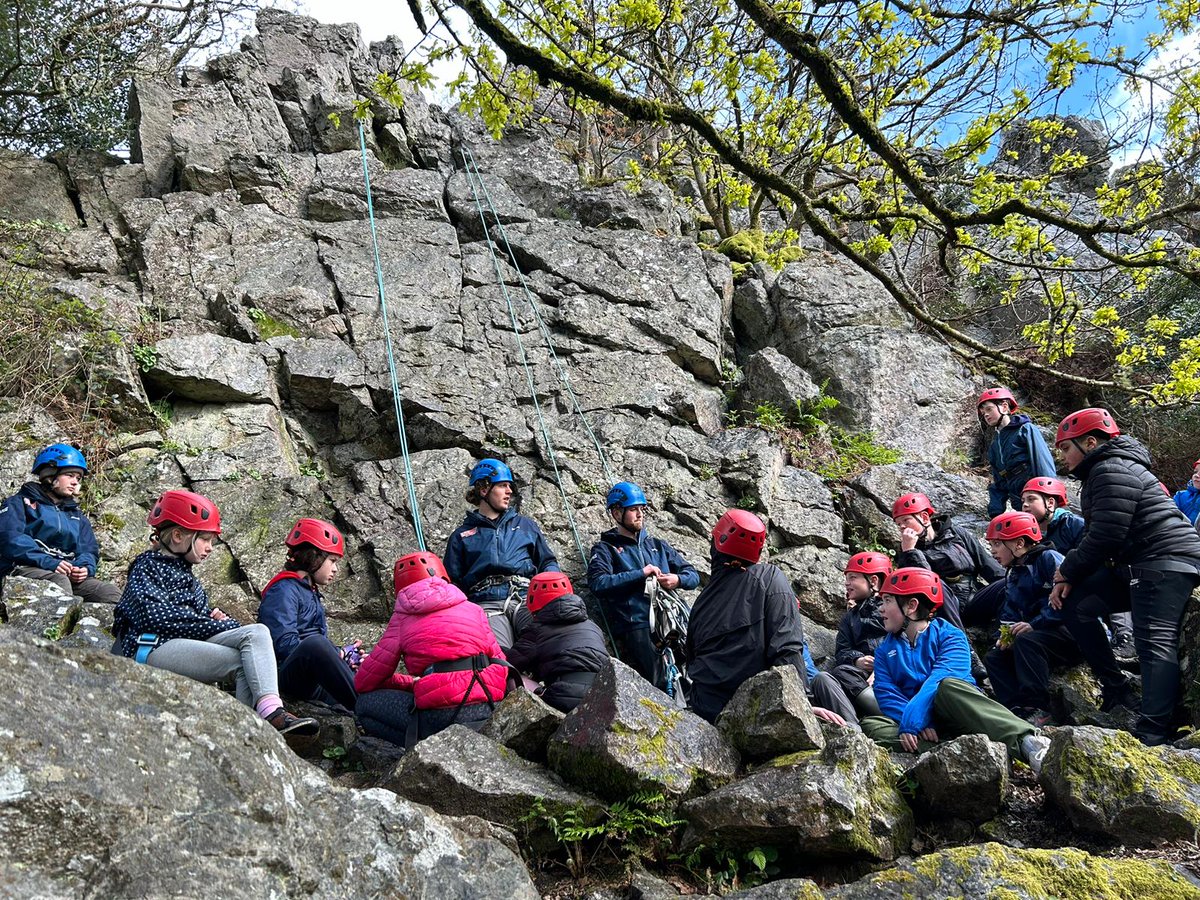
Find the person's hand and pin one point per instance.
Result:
(928, 734)
(909, 538)
(908, 742)
(78, 574)
(828, 715)
(218, 615)
(1059, 592)
(64, 568)
(1019, 628)
(669, 582)
(866, 663)
(651, 571)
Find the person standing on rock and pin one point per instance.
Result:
(1017, 453)
(495, 551)
(620, 563)
(164, 618)
(454, 669)
(1046, 500)
(745, 621)
(43, 534)
(1137, 553)
(923, 678)
(861, 629)
(311, 667)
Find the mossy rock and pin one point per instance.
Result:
(1110, 783)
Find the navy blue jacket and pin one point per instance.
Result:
(1064, 531)
(907, 676)
(615, 575)
(36, 532)
(510, 545)
(163, 597)
(1018, 452)
(1188, 501)
(860, 632)
(292, 610)
(1027, 589)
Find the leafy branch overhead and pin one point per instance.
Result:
(918, 140)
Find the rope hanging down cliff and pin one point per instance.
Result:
(413, 508)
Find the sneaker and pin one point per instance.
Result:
(1123, 648)
(285, 723)
(1033, 748)
(1039, 718)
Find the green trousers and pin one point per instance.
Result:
(959, 708)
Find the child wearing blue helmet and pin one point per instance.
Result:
(495, 551)
(44, 535)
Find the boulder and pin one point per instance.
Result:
(33, 190)
(230, 442)
(773, 378)
(1109, 782)
(817, 805)
(965, 778)
(40, 607)
(208, 368)
(313, 367)
(993, 870)
(523, 723)
(801, 510)
(816, 577)
(627, 737)
(769, 715)
(165, 780)
(460, 772)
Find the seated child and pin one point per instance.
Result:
(1188, 499)
(164, 618)
(561, 647)
(311, 667)
(923, 678)
(861, 629)
(43, 534)
(1033, 637)
(1017, 453)
(460, 673)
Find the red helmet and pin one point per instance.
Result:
(1011, 525)
(870, 564)
(1083, 421)
(914, 582)
(991, 395)
(187, 510)
(1051, 487)
(911, 504)
(546, 586)
(740, 534)
(414, 567)
(320, 534)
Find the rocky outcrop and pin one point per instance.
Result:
(523, 723)
(769, 715)
(965, 778)
(1033, 152)
(164, 781)
(626, 736)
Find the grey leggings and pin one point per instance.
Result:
(246, 652)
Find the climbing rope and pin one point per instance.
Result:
(391, 358)
(560, 369)
(475, 181)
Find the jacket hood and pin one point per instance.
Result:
(1017, 420)
(35, 492)
(478, 519)
(428, 595)
(613, 536)
(563, 610)
(1120, 447)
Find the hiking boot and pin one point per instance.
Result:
(1033, 748)
(285, 723)
(1124, 695)
(1039, 718)
(1123, 648)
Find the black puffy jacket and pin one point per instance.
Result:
(956, 555)
(561, 641)
(1129, 518)
(860, 632)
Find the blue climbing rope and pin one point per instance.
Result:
(391, 358)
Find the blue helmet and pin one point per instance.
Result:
(61, 456)
(491, 469)
(625, 494)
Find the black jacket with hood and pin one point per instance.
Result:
(561, 640)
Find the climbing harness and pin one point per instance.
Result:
(146, 644)
(669, 616)
(387, 334)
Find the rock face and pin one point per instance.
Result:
(769, 715)
(460, 772)
(165, 781)
(993, 870)
(965, 778)
(1108, 782)
(1035, 155)
(626, 737)
(837, 803)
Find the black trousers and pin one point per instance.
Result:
(386, 714)
(637, 651)
(315, 670)
(1020, 674)
(825, 691)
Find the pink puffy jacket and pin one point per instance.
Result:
(433, 622)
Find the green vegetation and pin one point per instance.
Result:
(722, 869)
(270, 327)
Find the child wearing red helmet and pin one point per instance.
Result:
(1017, 452)
(1032, 638)
(311, 667)
(164, 618)
(561, 647)
(923, 678)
